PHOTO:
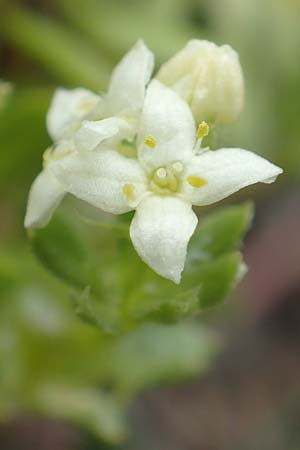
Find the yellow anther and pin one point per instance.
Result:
(150, 141)
(203, 130)
(196, 182)
(128, 191)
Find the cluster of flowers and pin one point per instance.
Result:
(139, 146)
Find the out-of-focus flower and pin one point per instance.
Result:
(209, 78)
(124, 98)
(171, 173)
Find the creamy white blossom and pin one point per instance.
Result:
(209, 78)
(124, 98)
(170, 174)
(79, 118)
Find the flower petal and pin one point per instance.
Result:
(91, 134)
(45, 195)
(127, 86)
(224, 172)
(160, 232)
(67, 108)
(168, 122)
(99, 179)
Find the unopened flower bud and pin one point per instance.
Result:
(209, 78)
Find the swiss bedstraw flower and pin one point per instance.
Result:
(80, 118)
(209, 78)
(124, 98)
(170, 174)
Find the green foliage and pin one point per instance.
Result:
(97, 411)
(62, 252)
(159, 354)
(52, 364)
(220, 232)
(116, 291)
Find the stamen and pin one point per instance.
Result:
(128, 191)
(196, 182)
(178, 167)
(150, 141)
(203, 130)
(161, 172)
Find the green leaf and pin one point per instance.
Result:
(219, 233)
(95, 410)
(62, 252)
(98, 312)
(218, 278)
(154, 354)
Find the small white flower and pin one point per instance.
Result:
(209, 78)
(79, 119)
(124, 98)
(46, 191)
(169, 175)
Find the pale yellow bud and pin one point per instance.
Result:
(209, 78)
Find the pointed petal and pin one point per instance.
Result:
(99, 179)
(91, 134)
(167, 119)
(129, 79)
(160, 232)
(67, 108)
(226, 171)
(45, 195)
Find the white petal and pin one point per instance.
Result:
(160, 232)
(168, 119)
(91, 134)
(67, 108)
(226, 171)
(129, 79)
(99, 178)
(45, 195)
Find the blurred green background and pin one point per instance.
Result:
(67, 386)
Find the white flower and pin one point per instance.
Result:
(124, 98)
(79, 119)
(47, 191)
(209, 78)
(170, 175)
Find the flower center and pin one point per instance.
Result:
(166, 179)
